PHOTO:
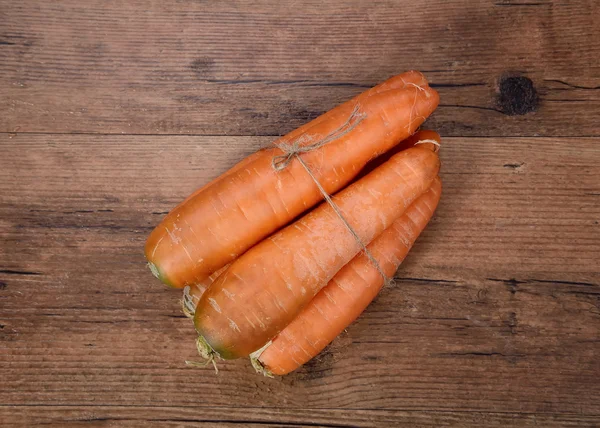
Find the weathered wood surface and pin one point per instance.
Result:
(495, 318)
(193, 416)
(262, 68)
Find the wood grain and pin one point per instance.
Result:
(193, 416)
(263, 68)
(494, 320)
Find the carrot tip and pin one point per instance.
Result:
(154, 269)
(258, 366)
(187, 305)
(156, 272)
(206, 351)
(260, 369)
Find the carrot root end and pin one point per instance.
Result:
(187, 305)
(204, 364)
(156, 272)
(258, 366)
(206, 351)
(260, 369)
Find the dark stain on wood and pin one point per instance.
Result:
(517, 95)
(511, 284)
(514, 166)
(317, 368)
(368, 357)
(512, 322)
(203, 67)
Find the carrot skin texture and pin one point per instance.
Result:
(262, 291)
(228, 216)
(199, 288)
(348, 294)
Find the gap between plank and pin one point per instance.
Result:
(115, 134)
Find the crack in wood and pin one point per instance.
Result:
(477, 354)
(430, 280)
(19, 272)
(562, 82)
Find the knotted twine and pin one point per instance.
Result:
(293, 151)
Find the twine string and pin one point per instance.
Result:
(293, 151)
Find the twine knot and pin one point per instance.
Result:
(294, 149)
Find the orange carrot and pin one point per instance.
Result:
(236, 211)
(262, 291)
(348, 294)
(197, 290)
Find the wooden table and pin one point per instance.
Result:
(112, 112)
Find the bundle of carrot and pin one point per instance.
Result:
(267, 274)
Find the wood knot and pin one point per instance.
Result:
(517, 95)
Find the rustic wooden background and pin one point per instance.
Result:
(111, 112)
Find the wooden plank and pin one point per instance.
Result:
(164, 416)
(263, 68)
(496, 310)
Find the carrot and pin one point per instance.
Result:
(348, 294)
(263, 290)
(196, 290)
(236, 211)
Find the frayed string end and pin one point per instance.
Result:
(434, 142)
